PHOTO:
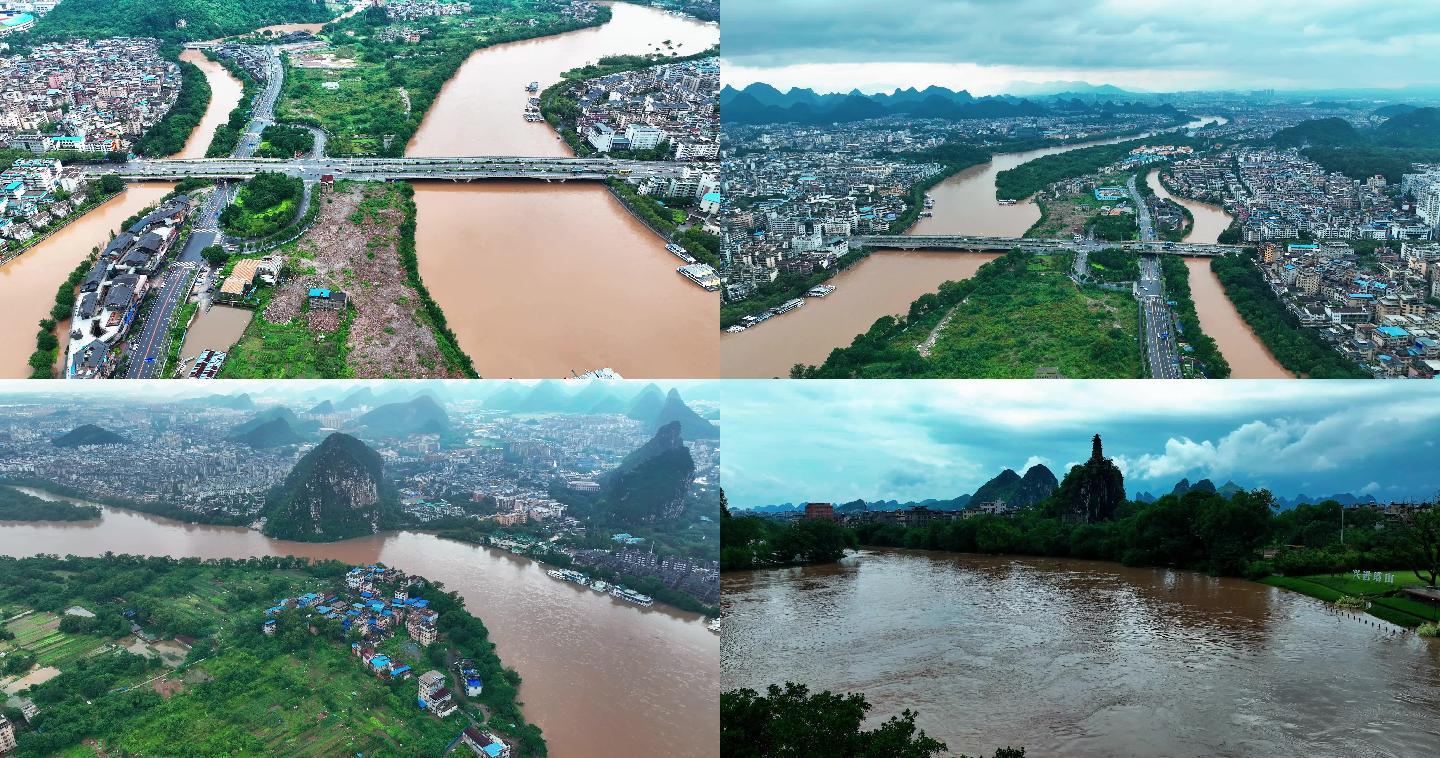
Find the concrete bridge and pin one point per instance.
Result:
(988, 244)
(456, 169)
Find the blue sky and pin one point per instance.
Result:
(987, 46)
(787, 441)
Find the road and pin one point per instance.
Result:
(1161, 354)
(262, 114)
(148, 348)
(389, 169)
(1142, 212)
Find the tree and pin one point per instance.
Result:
(1422, 531)
(214, 255)
(811, 541)
(109, 184)
(792, 722)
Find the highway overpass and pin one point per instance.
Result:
(990, 244)
(389, 169)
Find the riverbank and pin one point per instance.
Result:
(1207, 359)
(30, 282)
(1130, 661)
(375, 318)
(1301, 351)
(1019, 316)
(357, 98)
(1383, 600)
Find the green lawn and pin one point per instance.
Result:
(1385, 603)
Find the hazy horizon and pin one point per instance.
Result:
(991, 46)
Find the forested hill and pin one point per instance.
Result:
(203, 19)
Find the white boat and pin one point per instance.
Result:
(632, 596)
(735, 329)
(714, 626)
(600, 585)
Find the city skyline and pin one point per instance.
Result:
(912, 440)
(1011, 47)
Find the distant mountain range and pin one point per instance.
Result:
(1038, 484)
(761, 103)
(421, 415)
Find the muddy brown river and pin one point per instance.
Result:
(601, 677)
(541, 279)
(1083, 658)
(883, 284)
(1247, 355)
(964, 204)
(28, 283)
(225, 93)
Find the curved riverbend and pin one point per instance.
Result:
(600, 676)
(964, 204)
(883, 284)
(1247, 355)
(225, 93)
(537, 280)
(1083, 658)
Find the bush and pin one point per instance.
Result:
(1428, 630)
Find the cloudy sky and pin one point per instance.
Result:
(911, 440)
(986, 46)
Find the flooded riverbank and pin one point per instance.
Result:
(591, 664)
(1247, 355)
(1083, 658)
(886, 283)
(540, 279)
(225, 93)
(30, 281)
(964, 204)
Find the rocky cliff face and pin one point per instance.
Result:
(336, 491)
(1093, 490)
(651, 484)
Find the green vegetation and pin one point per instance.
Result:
(383, 96)
(336, 491)
(264, 205)
(204, 19)
(665, 217)
(1115, 228)
(1019, 313)
(1177, 290)
(1113, 264)
(749, 542)
(288, 351)
(285, 141)
(227, 135)
(1299, 350)
(1032, 176)
(793, 722)
(705, 10)
(168, 136)
(1389, 149)
(231, 689)
(19, 506)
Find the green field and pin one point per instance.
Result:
(236, 691)
(39, 635)
(1385, 602)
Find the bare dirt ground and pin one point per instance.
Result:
(353, 250)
